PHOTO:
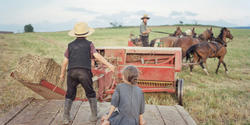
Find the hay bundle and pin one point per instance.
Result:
(30, 70)
(33, 69)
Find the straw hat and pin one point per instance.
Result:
(145, 16)
(81, 29)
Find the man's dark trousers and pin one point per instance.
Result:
(144, 40)
(79, 76)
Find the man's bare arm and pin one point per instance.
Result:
(63, 68)
(141, 120)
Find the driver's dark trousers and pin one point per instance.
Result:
(144, 40)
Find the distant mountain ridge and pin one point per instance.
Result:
(241, 27)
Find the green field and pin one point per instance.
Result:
(213, 99)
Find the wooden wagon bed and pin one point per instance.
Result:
(49, 112)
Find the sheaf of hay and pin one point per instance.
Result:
(32, 69)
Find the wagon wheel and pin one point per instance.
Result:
(179, 90)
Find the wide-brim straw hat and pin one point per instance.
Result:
(145, 16)
(81, 29)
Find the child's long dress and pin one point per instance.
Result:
(129, 100)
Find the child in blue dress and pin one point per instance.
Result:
(128, 98)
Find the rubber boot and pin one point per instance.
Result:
(67, 108)
(93, 108)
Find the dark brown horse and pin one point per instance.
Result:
(167, 41)
(213, 49)
(177, 33)
(187, 41)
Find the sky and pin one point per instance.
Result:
(59, 15)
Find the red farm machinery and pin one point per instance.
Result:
(158, 69)
(158, 72)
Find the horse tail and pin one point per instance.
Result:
(191, 50)
(152, 43)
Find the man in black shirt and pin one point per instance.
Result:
(78, 59)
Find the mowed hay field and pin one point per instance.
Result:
(214, 99)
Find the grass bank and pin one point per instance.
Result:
(214, 99)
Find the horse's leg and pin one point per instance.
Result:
(206, 64)
(186, 60)
(189, 59)
(225, 66)
(218, 66)
(191, 67)
(202, 66)
(221, 61)
(195, 60)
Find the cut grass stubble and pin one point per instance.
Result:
(214, 99)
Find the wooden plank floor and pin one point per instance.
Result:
(50, 112)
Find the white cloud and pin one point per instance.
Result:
(101, 12)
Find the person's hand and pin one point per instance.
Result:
(149, 30)
(104, 118)
(92, 63)
(62, 78)
(142, 122)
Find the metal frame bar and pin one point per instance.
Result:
(57, 90)
(169, 90)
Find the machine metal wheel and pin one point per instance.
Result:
(179, 92)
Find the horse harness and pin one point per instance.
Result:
(223, 43)
(217, 46)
